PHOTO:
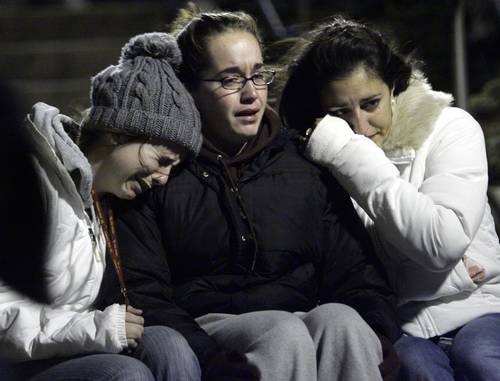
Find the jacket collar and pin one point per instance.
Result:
(268, 131)
(415, 112)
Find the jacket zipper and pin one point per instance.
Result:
(234, 189)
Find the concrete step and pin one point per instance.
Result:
(59, 58)
(25, 23)
(67, 94)
(49, 53)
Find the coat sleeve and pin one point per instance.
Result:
(432, 224)
(31, 331)
(147, 274)
(350, 271)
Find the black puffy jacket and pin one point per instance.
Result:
(283, 236)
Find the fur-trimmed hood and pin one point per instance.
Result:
(414, 114)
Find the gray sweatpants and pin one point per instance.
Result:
(331, 342)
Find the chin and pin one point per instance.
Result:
(249, 131)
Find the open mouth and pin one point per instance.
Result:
(247, 114)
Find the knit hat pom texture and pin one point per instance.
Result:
(155, 45)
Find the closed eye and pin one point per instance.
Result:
(370, 105)
(340, 112)
(166, 161)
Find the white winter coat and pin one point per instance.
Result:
(422, 196)
(74, 267)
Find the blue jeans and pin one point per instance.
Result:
(163, 354)
(7, 371)
(473, 356)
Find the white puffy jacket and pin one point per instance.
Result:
(74, 269)
(422, 196)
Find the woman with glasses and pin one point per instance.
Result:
(142, 123)
(416, 170)
(237, 252)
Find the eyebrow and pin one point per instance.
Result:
(237, 70)
(363, 100)
(371, 98)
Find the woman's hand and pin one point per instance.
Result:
(476, 271)
(134, 326)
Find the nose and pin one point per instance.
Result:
(248, 92)
(160, 177)
(360, 123)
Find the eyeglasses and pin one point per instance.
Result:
(237, 82)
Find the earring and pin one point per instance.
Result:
(393, 103)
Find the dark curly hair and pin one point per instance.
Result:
(330, 52)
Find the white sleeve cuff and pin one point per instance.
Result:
(328, 138)
(119, 318)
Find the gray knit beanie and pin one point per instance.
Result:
(142, 96)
